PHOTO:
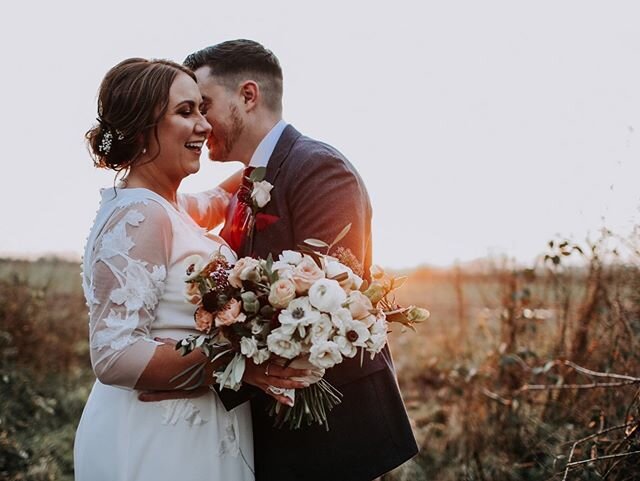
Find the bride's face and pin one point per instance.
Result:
(224, 115)
(182, 131)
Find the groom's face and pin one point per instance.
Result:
(223, 112)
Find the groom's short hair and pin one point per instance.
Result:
(234, 61)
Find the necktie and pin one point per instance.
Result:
(239, 221)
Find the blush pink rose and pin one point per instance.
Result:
(283, 291)
(244, 269)
(305, 274)
(230, 314)
(203, 319)
(359, 305)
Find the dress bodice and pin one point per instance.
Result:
(133, 274)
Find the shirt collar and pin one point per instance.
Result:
(262, 154)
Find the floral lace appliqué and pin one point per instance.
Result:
(141, 288)
(117, 334)
(181, 409)
(116, 241)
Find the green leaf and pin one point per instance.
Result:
(342, 233)
(316, 243)
(398, 282)
(258, 174)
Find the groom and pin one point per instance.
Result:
(316, 193)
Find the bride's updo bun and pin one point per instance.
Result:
(132, 98)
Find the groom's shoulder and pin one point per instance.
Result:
(309, 153)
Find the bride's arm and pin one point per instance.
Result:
(209, 208)
(128, 268)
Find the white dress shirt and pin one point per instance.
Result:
(260, 157)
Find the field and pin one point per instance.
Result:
(521, 373)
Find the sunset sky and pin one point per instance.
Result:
(480, 127)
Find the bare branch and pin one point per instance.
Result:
(601, 374)
(600, 458)
(542, 387)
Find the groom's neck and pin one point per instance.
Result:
(256, 132)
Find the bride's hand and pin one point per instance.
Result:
(155, 396)
(271, 375)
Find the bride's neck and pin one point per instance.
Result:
(153, 181)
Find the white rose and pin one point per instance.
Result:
(325, 355)
(321, 330)
(281, 344)
(246, 268)
(260, 193)
(193, 265)
(248, 346)
(282, 292)
(333, 268)
(284, 269)
(359, 305)
(290, 257)
(327, 295)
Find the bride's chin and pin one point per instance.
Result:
(193, 167)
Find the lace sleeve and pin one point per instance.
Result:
(126, 280)
(207, 208)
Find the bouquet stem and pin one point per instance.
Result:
(312, 405)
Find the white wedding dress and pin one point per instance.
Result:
(133, 280)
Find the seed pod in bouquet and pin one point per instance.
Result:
(375, 293)
(250, 302)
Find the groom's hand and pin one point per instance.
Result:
(269, 374)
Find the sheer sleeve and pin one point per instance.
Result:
(126, 280)
(207, 208)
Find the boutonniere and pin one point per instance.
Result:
(259, 195)
(260, 189)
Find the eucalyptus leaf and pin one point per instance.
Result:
(398, 282)
(197, 371)
(342, 233)
(316, 243)
(258, 174)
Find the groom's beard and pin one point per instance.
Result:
(221, 144)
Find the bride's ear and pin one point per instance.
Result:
(250, 92)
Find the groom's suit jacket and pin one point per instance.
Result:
(316, 193)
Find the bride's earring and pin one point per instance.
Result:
(144, 150)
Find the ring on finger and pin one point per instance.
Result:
(276, 390)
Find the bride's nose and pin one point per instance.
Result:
(202, 126)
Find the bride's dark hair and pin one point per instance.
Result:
(132, 98)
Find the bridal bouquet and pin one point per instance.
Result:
(307, 309)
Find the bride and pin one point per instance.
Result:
(150, 126)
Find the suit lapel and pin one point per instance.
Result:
(281, 152)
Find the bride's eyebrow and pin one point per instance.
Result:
(190, 103)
